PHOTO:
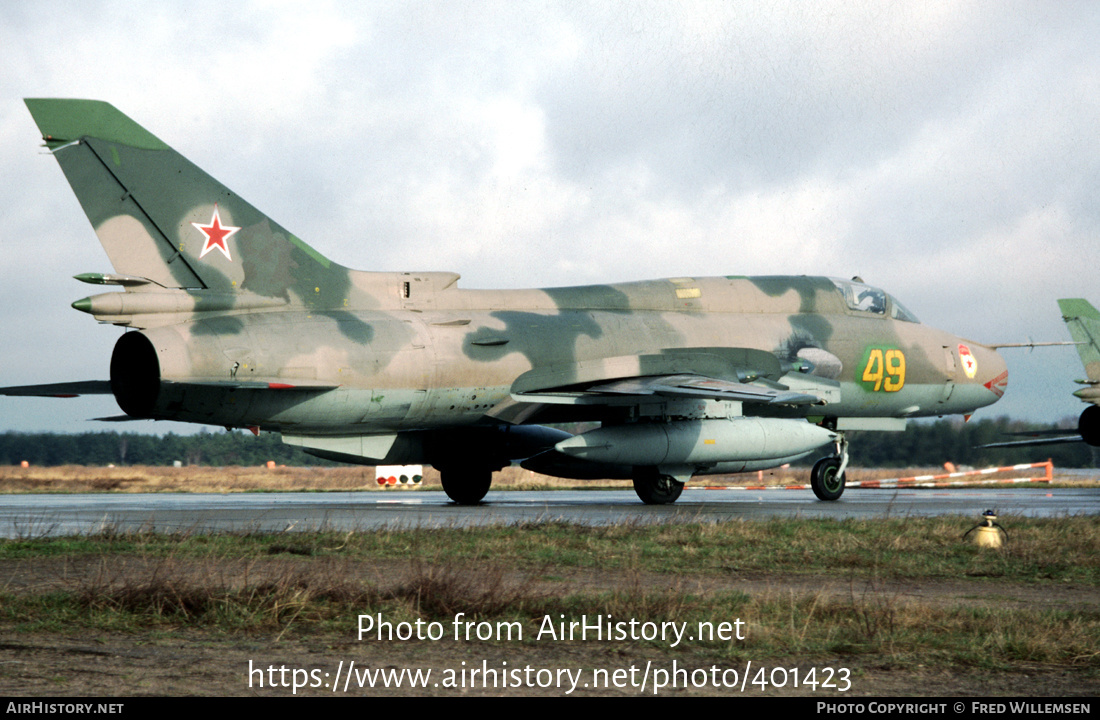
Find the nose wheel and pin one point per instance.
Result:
(828, 476)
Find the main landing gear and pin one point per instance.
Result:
(466, 486)
(827, 478)
(654, 488)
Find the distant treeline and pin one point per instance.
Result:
(218, 449)
(923, 444)
(928, 444)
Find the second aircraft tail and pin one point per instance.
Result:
(1083, 322)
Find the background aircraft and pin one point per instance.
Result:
(1083, 322)
(236, 322)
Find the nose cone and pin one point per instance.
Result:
(985, 372)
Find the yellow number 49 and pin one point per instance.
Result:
(885, 370)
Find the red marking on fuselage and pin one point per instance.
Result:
(998, 384)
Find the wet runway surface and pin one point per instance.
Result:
(29, 516)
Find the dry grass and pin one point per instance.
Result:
(442, 591)
(289, 595)
(231, 593)
(199, 479)
(905, 600)
(250, 594)
(78, 478)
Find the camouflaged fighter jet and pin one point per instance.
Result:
(236, 322)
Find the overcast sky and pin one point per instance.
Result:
(948, 152)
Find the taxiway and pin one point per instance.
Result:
(23, 516)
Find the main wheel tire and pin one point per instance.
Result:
(654, 488)
(826, 482)
(466, 487)
(1089, 425)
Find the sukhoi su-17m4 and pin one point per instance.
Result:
(233, 321)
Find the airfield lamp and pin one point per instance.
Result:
(990, 533)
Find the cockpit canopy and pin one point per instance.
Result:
(867, 299)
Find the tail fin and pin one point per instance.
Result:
(1083, 322)
(162, 218)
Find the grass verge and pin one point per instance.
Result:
(801, 589)
(1038, 550)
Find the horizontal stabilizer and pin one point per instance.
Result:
(60, 390)
(271, 384)
(1036, 441)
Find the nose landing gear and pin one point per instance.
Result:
(827, 478)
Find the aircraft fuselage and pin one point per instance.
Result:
(453, 360)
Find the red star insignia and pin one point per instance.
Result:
(216, 235)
